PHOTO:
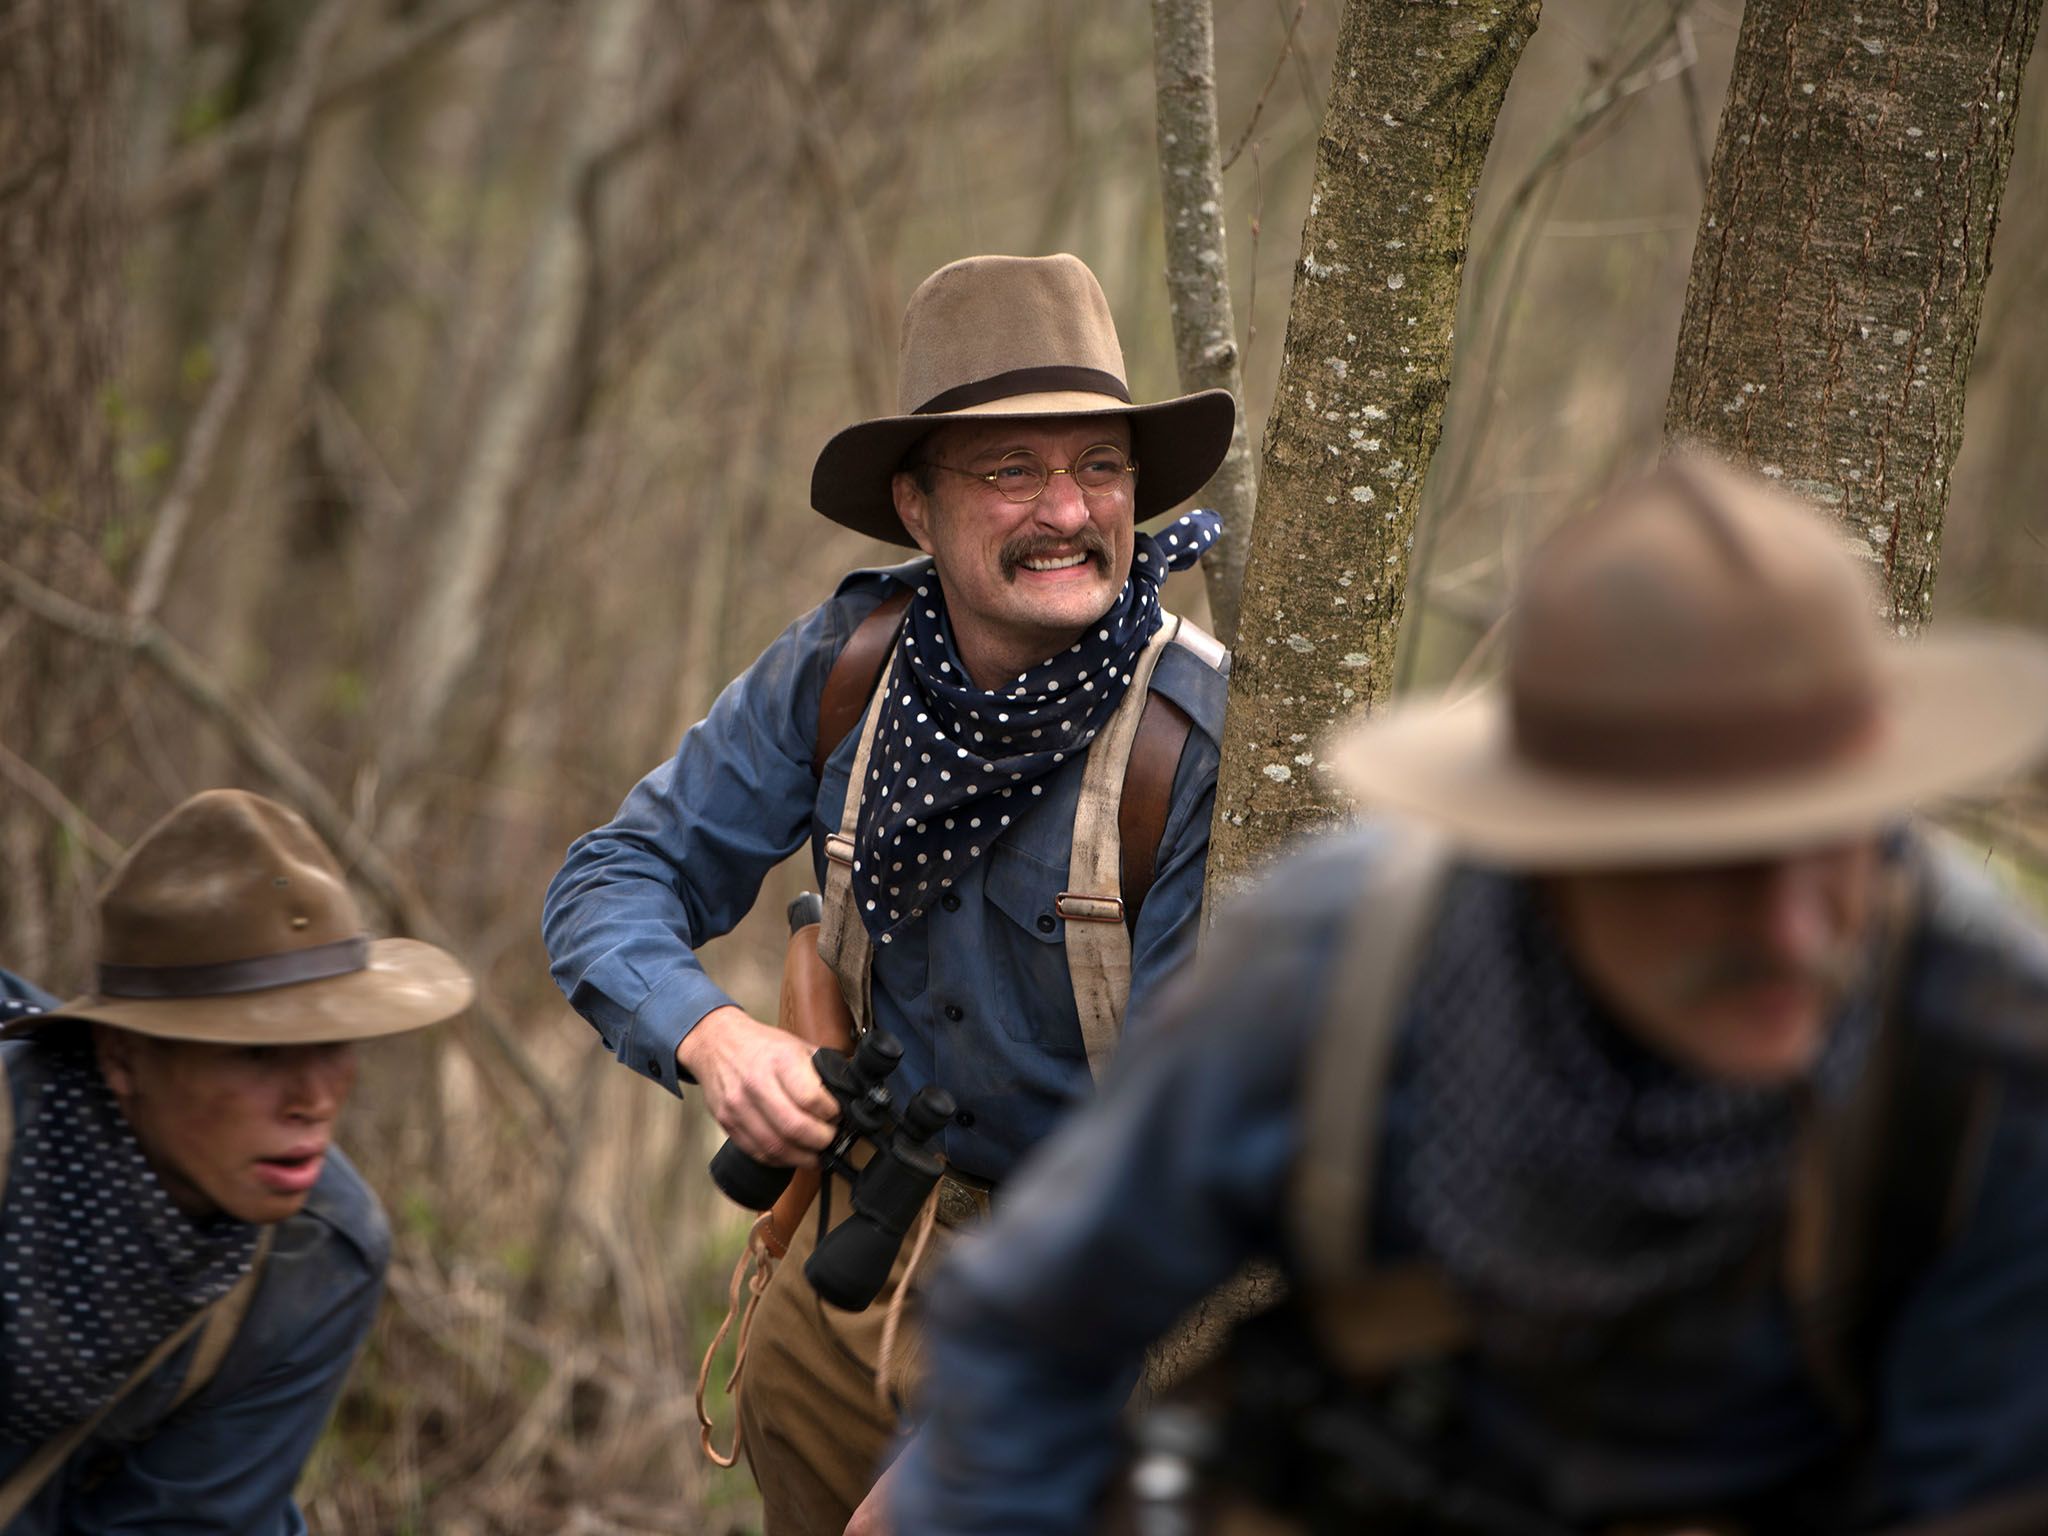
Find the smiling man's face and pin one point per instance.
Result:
(240, 1129)
(1022, 580)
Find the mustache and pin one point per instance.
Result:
(1832, 974)
(1087, 539)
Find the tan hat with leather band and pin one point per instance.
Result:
(1696, 671)
(1016, 336)
(229, 921)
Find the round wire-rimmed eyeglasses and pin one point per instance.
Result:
(1023, 475)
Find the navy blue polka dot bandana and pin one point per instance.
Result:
(97, 1264)
(952, 764)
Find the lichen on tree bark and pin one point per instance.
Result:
(1415, 91)
(1832, 307)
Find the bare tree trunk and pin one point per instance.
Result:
(1414, 94)
(254, 484)
(448, 633)
(1833, 303)
(58, 491)
(1198, 273)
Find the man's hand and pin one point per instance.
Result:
(872, 1518)
(761, 1087)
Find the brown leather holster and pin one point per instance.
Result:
(813, 1010)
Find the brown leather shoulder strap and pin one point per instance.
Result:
(1148, 796)
(851, 682)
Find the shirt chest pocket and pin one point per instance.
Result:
(1029, 983)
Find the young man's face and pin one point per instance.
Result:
(240, 1129)
(1022, 579)
(1732, 970)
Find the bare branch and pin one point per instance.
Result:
(516, 416)
(258, 739)
(869, 312)
(1259, 106)
(60, 809)
(199, 169)
(1198, 272)
(252, 321)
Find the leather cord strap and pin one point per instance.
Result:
(1094, 906)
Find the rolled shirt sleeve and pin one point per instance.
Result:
(684, 858)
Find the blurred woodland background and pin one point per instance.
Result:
(407, 409)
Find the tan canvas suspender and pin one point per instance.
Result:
(1371, 1320)
(221, 1322)
(1347, 1063)
(842, 938)
(1092, 906)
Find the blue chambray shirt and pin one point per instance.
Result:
(1182, 1171)
(978, 991)
(225, 1462)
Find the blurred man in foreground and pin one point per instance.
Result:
(1657, 1142)
(187, 1262)
(1010, 830)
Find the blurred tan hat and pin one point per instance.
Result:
(1696, 672)
(1016, 336)
(230, 921)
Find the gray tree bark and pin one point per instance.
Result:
(1832, 307)
(1415, 90)
(1198, 274)
(59, 493)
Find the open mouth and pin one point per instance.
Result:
(292, 1173)
(1055, 562)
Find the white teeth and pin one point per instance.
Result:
(1054, 565)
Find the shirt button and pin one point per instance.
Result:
(654, 1066)
(1045, 922)
(950, 902)
(953, 1012)
(964, 1119)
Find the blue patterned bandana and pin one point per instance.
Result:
(1562, 1174)
(951, 760)
(97, 1264)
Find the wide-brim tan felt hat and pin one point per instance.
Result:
(229, 921)
(1028, 336)
(1696, 672)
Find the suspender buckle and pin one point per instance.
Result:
(1079, 907)
(839, 849)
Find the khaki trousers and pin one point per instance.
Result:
(812, 1423)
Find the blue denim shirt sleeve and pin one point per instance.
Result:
(1138, 1206)
(1964, 1411)
(684, 858)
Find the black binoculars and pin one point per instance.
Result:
(852, 1260)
